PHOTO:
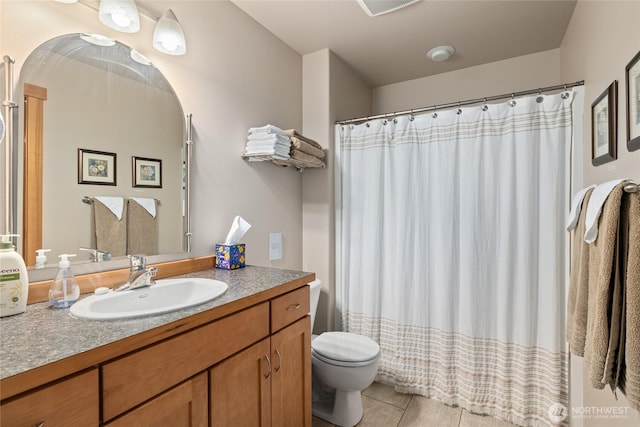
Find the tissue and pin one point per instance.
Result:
(239, 228)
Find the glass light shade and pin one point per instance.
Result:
(121, 15)
(168, 36)
(67, 1)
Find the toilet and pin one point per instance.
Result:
(343, 364)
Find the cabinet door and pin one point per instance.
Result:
(71, 402)
(291, 378)
(182, 406)
(240, 388)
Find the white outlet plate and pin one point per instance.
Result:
(275, 246)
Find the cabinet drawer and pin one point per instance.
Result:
(289, 307)
(133, 379)
(71, 402)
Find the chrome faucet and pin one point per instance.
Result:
(97, 255)
(139, 275)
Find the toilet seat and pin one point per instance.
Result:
(345, 349)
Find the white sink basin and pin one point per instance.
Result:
(164, 296)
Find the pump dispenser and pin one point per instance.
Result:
(14, 283)
(65, 290)
(41, 258)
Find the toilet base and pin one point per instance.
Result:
(339, 407)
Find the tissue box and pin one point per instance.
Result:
(230, 257)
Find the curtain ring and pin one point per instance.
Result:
(435, 113)
(411, 118)
(368, 124)
(459, 110)
(540, 97)
(384, 122)
(513, 102)
(485, 107)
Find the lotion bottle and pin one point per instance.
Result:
(64, 290)
(14, 283)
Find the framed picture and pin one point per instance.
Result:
(604, 119)
(632, 75)
(96, 167)
(147, 172)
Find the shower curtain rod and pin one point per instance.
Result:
(461, 103)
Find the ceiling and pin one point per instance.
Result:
(392, 47)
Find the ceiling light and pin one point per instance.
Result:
(121, 15)
(380, 7)
(168, 36)
(139, 58)
(440, 53)
(98, 40)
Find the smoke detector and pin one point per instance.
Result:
(440, 53)
(380, 7)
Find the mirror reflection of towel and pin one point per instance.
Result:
(142, 229)
(110, 232)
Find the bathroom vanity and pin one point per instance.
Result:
(243, 358)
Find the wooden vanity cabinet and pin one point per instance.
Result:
(70, 402)
(268, 384)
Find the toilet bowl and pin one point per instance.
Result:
(343, 364)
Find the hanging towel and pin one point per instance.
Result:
(142, 230)
(578, 299)
(148, 204)
(110, 232)
(115, 204)
(598, 198)
(630, 379)
(305, 147)
(601, 327)
(576, 207)
(293, 132)
(266, 129)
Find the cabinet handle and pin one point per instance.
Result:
(293, 307)
(266, 374)
(279, 360)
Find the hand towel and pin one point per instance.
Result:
(115, 204)
(602, 287)
(630, 379)
(142, 229)
(576, 207)
(148, 204)
(594, 208)
(577, 302)
(293, 132)
(266, 129)
(303, 157)
(269, 137)
(110, 233)
(305, 147)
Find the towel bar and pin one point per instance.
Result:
(89, 200)
(632, 188)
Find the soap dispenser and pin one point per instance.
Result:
(41, 258)
(65, 290)
(14, 283)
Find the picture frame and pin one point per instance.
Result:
(604, 119)
(632, 77)
(97, 167)
(147, 173)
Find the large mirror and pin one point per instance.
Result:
(99, 104)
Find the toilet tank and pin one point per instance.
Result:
(314, 291)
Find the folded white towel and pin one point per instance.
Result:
(266, 129)
(148, 204)
(259, 145)
(576, 207)
(282, 154)
(598, 197)
(272, 137)
(115, 204)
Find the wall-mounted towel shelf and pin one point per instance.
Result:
(298, 164)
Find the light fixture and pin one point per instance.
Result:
(168, 36)
(98, 39)
(67, 1)
(440, 53)
(120, 15)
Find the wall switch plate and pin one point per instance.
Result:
(275, 246)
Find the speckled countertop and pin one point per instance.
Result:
(43, 335)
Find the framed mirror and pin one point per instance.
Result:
(86, 93)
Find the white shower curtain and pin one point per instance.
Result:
(451, 253)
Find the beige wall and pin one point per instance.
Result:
(601, 39)
(331, 91)
(511, 75)
(235, 75)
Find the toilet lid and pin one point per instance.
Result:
(345, 347)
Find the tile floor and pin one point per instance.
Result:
(383, 407)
